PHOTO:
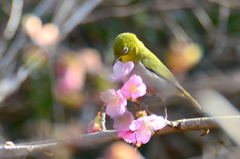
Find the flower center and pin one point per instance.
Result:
(115, 101)
(133, 89)
(148, 126)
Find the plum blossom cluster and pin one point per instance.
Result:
(137, 131)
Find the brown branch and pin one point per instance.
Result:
(195, 124)
(78, 16)
(217, 81)
(81, 141)
(137, 8)
(230, 3)
(14, 19)
(9, 84)
(91, 140)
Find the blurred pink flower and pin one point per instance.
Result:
(121, 70)
(134, 87)
(48, 35)
(122, 122)
(71, 81)
(70, 72)
(32, 25)
(128, 136)
(145, 126)
(92, 60)
(43, 35)
(115, 102)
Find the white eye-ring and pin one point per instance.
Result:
(125, 50)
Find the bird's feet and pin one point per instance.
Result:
(142, 106)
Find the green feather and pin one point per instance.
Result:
(158, 68)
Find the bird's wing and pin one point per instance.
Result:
(161, 70)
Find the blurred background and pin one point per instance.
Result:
(56, 55)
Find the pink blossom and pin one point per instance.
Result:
(70, 74)
(128, 136)
(115, 102)
(121, 70)
(145, 126)
(71, 80)
(122, 122)
(134, 87)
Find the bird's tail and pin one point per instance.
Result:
(190, 98)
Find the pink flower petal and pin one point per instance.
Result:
(157, 122)
(128, 136)
(115, 102)
(134, 87)
(143, 135)
(122, 122)
(145, 126)
(121, 70)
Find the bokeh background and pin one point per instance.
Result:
(56, 55)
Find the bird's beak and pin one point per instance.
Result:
(116, 58)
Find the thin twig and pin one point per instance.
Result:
(78, 16)
(175, 27)
(62, 11)
(204, 19)
(42, 7)
(217, 81)
(137, 8)
(222, 28)
(10, 84)
(14, 19)
(233, 4)
(8, 59)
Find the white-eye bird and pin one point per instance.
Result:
(157, 77)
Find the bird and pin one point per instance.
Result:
(158, 79)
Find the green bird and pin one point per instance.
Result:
(157, 77)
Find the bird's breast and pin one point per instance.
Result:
(156, 85)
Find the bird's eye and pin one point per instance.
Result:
(125, 50)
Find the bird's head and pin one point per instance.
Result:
(126, 47)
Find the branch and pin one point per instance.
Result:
(14, 19)
(82, 141)
(78, 16)
(231, 4)
(91, 140)
(195, 124)
(9, 84)
(216, 81)
(134, 9)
